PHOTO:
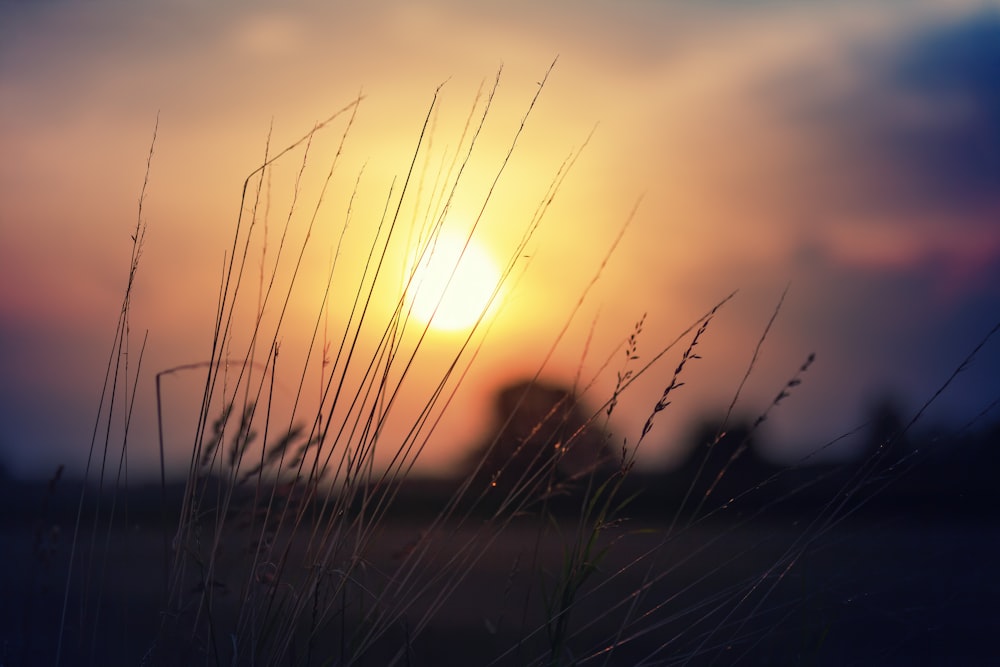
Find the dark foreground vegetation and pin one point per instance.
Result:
(769, 569)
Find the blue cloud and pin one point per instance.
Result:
(918, 130)
(953, 162)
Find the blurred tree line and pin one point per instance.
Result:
(543, 435)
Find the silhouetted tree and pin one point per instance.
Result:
(541, 433)
(886, 423)
(724, 462)
(886, 442)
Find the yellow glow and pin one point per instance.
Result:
(453, 283)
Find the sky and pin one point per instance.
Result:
(846, 151)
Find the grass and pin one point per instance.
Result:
(276, 551)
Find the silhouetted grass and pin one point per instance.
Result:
(279, 549)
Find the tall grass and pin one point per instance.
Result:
(275, 553)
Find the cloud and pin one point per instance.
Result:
(919, 120)
(949, 145)
(862, 165)
(897, 152)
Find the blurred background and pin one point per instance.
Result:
(848, 151)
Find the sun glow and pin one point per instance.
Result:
(453, 284)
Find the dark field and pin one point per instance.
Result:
(880, 588)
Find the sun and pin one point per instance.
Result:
(453, 285)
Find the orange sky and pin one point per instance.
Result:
(843, 149)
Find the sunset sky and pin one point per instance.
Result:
(848, 150)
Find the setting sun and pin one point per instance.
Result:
(453, 283)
